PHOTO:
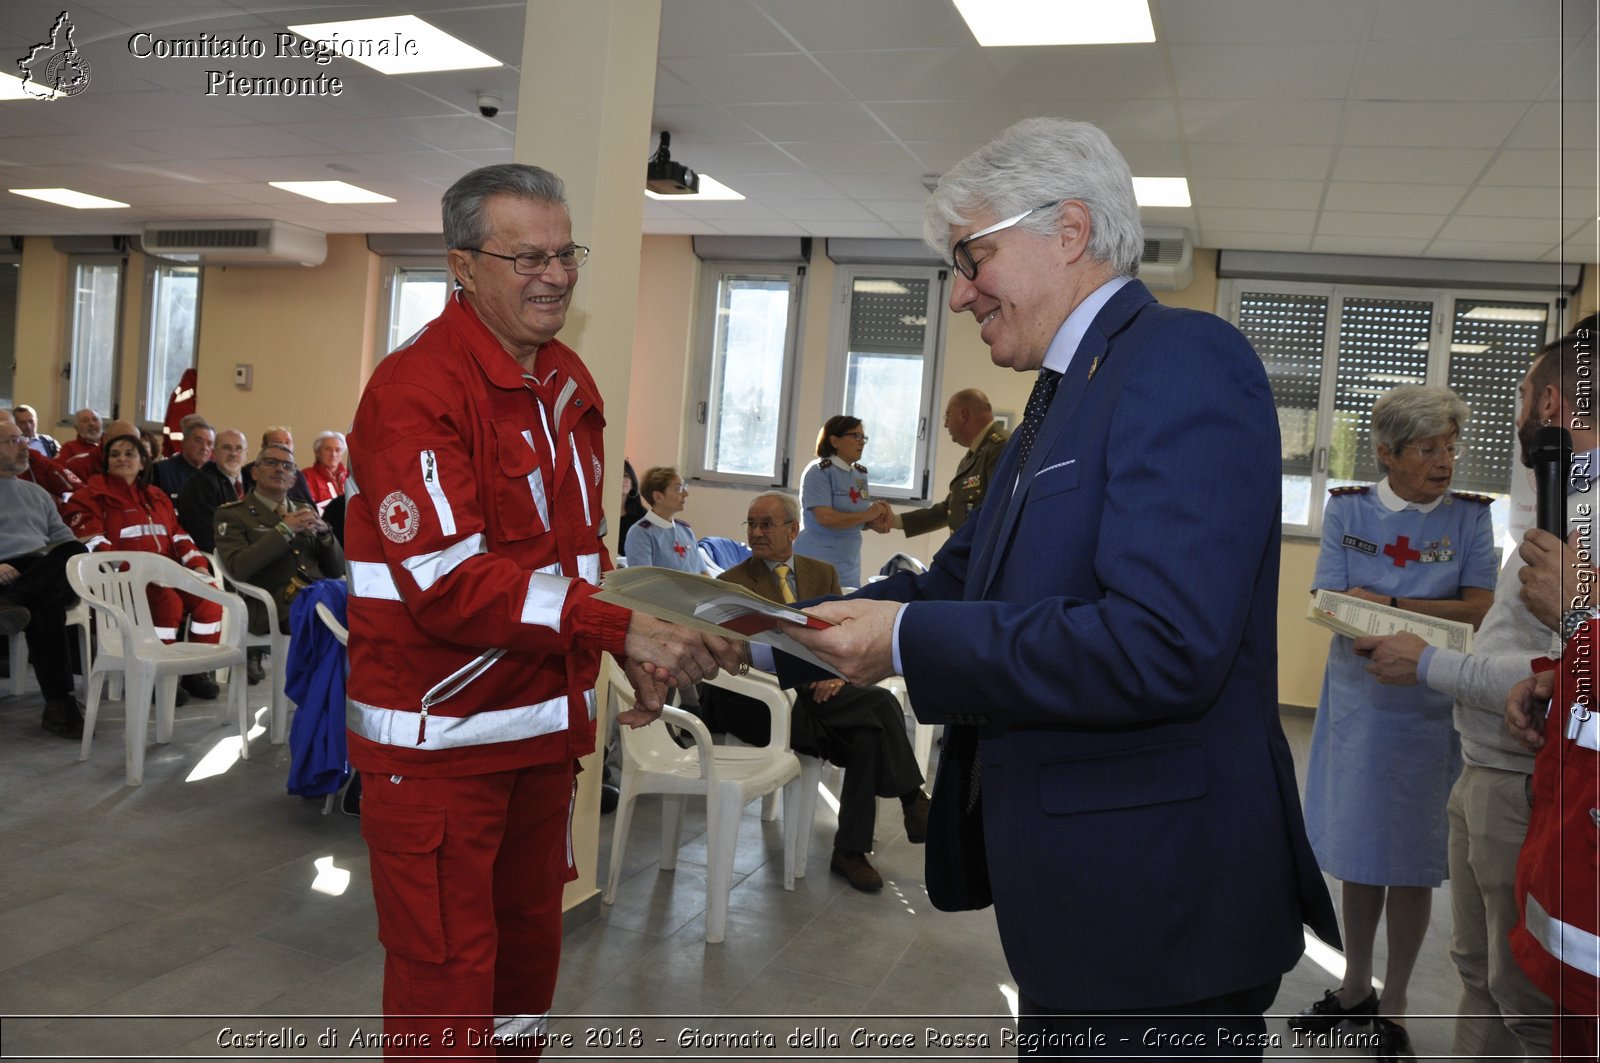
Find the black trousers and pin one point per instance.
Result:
(1217, 1028)
(42, 587)
(861, 729)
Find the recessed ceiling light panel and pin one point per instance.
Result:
(1161, 191)
(66, 197)
(710, 188)
(331, 191)
(1043, 23)
(402, 44)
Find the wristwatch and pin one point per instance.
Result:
(1573, 619)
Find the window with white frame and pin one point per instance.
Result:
(884, 369)
(173, 312)
(93, 334)
(417, 294)
(747, 335)
(1331, 350)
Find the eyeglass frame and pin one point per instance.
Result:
(854, 433)
(959, 251)
(276, 463)
(516, 260)
(1457, 451)
(764, 525)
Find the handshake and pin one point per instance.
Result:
(883, 518)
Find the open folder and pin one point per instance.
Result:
(709, 605)
(1354, 617)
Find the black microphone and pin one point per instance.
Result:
(1552, 465)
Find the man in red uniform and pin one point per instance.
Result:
(81, 454)
(1557, 942)
(474, 542)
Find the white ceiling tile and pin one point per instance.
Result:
(784, 186)
(1286, 70)
(1443, 20)
(680, 226)
(734, 209)
(1365, 223)
(1492, 251)
(809, 121)
(673, 91)
(1257, 21)
(1423, 165)
(1169, 217)
(1297, 162)
(1456, 70)
(1393, 198)
(1430, 125)
(1259, 121)
(935, 157)
(1257, 221)
(1154, 160)
(1542, 169)
(853, 158)
(973, 121)
(876, 230)
(1085, 72)
(834, 25)
(724, 160)
(717, 27)
(1367, 245)
(1557, 124)
(908, 230)
(912, 74)
(864, 186)
(813, 210)
(1507, 230)
(1507, 201)
(897, 211)
(761, 227)
(1290, 195)
(1122, 120)
(1252, 241)
(700, 124)
(781, 78)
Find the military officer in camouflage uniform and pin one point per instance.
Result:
(278, 543)
(970, 421)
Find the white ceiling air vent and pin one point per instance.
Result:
(1168, 260)
(236, 243)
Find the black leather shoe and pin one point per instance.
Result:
(856, 871)
(64, 717)
(254, 671)
(1394, 1044)
(916, 817)
(1327, 1013)
(201, 685)
(609, 796)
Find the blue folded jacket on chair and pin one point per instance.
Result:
(315, 671)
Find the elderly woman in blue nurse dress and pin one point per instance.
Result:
(1383, 758)
(659, 538)
(835, 502)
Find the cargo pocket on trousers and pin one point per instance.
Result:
(404, 846)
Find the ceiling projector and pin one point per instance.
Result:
(667, 178)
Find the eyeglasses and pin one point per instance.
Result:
(765, 525)
(273, 463)
(855, 435)
(1454, 451)
(533, 263)
(961, 255)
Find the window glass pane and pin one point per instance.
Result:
(1382, 343)
(884, 372)
(1289, 332)
(419, 296)
(747, 366)
(94, 335)
(174, 303)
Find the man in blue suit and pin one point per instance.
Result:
(1102, 638)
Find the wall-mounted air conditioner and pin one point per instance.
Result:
(1168, 260)
(235, 243)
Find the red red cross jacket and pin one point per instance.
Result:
(1557, 942)
(473, 544)
(111, 515)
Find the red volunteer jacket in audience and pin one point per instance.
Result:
(81, 459)
(111, 515)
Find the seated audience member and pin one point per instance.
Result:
(154, 441)
(174, 473)
(276, 542)
(860, 729)
(35, 545)
(333, 517)
(326, 476)
(632, 508)
(81, 455)
(218, 482)
(46, 472)
(119, 509)
(279, 436)
(27, 419)
(658, 538)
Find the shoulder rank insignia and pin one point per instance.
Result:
(825, 463)
(1354, 489)
(858, 467)
(1467, 496)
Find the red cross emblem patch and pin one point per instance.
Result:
(1401, 551)
(398, 517)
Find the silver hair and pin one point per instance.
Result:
(330, 434)
(274, 446)
(1413, 411)
(791, 504)
(1040, 161)
(463, 204)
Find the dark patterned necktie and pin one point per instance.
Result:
(1044, 389)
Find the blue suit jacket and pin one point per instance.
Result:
(1111, 626)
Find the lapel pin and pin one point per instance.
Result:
(1093, 366)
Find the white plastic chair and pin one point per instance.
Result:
(274, 641)
(728, 777)
(113, 585)
(78, 617)
(921, 733)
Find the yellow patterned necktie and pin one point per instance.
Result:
(782, 572)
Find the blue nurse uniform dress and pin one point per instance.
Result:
(1383, 758)
(664, 544)
(830, 482)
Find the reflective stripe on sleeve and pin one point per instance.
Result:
(441, 504)
(371, 579)
(1572, 945)
(190, 556)
(428, 569)
(547, 592)
(589, 568)
(397, 727)
(536, 484)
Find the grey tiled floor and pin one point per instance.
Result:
(224, 897)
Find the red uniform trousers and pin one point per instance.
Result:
(167, 610)
(467, 876)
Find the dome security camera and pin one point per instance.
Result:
(488, 104)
